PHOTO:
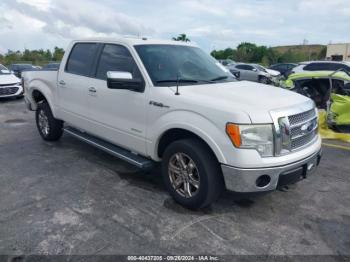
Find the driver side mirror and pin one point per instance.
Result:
(124, 80)
(255, 70)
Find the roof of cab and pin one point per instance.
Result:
(134, 41)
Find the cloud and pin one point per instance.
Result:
(75, 19)
(219, 23)
(5, 23)
(203, 6)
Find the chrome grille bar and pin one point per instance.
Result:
(295, 128)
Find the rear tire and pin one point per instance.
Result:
(191, 173)
(50, 128)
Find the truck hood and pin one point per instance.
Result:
(254, 99)
(8, 79)
(273, 72)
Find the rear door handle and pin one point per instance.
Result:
(62, 83)
(92, 90)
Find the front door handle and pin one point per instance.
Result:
(92, 90)
(62, 83)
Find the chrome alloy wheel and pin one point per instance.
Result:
(184, 175)
(44, 123)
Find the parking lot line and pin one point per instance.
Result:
(337, 146)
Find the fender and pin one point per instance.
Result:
(198, 124)
(45, 87)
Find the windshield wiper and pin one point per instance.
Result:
(176, 80)
(219, 78)
(184, 81)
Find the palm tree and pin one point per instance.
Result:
(182, 37)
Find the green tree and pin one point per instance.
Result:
(182, 37)
(223, 54)
(322, 54)
(57, 54)
(272, 56)
(246, 52)
(12, 56)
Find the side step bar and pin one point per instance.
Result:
(136, 160)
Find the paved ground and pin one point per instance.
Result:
(69, 198)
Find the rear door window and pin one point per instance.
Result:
(244, 67)
(81, 59)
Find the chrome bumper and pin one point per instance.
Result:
(246, 179)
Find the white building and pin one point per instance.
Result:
(338, 52)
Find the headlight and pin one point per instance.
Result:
(258, 137)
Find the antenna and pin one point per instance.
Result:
(177, 85)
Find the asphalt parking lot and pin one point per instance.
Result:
(69, 198)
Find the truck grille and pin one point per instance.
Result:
(303, 128)
(295, 131)
(302, 117)
(303, 140)
(6, 91)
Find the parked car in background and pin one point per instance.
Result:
(321, 66)
(158, 101)
(227, 62)
(10, 85)
(236, 73)
(257, 73)
(52, 66)
(230, 65)
(283, 68)
(17, 69)
(318, 85)
(329, 90)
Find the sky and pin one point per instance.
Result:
(212, 24)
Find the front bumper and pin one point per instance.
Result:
(267, 179)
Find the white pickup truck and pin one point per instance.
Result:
(147, 101)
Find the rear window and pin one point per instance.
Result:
(81, 59)
(324, 67)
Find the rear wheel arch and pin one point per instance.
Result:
(38, 96)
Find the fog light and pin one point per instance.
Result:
(263, 181)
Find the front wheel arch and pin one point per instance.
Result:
(175, 134)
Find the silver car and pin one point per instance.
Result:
(257, 73)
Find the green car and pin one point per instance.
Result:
(329, 90)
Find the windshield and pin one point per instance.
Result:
(4, 70)
(261, 68)
(168, 65)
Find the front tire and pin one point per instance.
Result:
(191, 173)
(50, 128)
(263, 80)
